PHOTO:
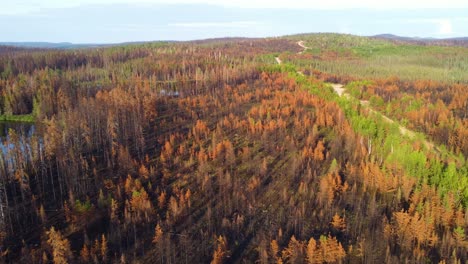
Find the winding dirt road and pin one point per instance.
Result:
(301, 44)
(278, 60)
(340, 90)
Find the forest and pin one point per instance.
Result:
(235, 151)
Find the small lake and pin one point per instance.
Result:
(21, 128)
(24, 131)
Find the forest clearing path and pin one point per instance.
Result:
(278, 60)
(340, 90)
(301, 43)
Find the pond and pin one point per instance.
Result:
(21, 128)
(25, 131)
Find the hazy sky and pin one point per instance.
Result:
(110, 21)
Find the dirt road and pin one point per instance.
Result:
(340, 90)
(301, 44)
(278, 60)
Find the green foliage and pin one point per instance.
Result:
(376, 101)
(355, 88)
(411, 103)
(459, 231)
(333, 166)
(394, 149)
(18, 118)
(333, 41)
(284, 67)
(136, 194)
(242, 148)
(267, 58)
(83, 207)
(323, 239)
(7, 72)
(364, 57)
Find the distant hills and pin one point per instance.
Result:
(66, 45)
(460, 41)
(51, 45)
(396, 37)
(391, 36)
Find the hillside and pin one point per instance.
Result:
(67, 45)
(461, 41)
(46, 45)
(312, 148)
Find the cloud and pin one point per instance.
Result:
(233, 24)
(445, 27)
(329, 4)
(31, 6)
(131, 27)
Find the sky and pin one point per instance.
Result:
(115, 21)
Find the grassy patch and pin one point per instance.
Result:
(18, 118)
(395, 150)
(364, 58)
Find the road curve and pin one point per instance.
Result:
(340, 90)
(278, 60)
(301, 44)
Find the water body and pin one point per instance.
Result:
(24, 131)
(21, 128)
